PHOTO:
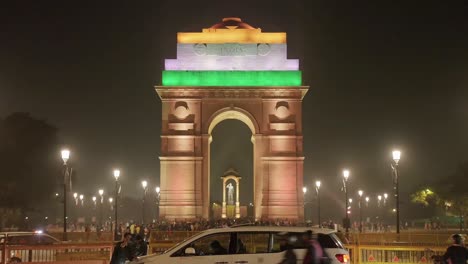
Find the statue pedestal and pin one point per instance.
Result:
(230, 211)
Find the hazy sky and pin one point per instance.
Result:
(380, 75)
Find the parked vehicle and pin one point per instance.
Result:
(249, 244)
(25, 239)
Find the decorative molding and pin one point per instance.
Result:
(231, 92)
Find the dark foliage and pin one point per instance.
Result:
(28, 161)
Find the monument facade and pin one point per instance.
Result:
(231, 71)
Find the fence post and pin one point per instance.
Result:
(4, 249)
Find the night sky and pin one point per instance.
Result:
(382, 74)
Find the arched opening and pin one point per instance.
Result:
(231, 148)
(231, 145)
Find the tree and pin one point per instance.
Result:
(450, 193)
(28, 162)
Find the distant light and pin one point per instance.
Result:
(350, 200)
(304, 189)
(144, 184)
(26, 218)
(46, 218)
(65, 155)
(101, 192)
(158, 190)
(94, 198)
(116, 174)
(81, 197)
(111, 199)
(396, 155)
(75, 195)
(385, 195)
(346, 174)
(367, 199)
(379, 197)
(360, 192)
(56, 194)
(38, 231)
(394, 210)
(318, 183)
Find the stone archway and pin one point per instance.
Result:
(268, 99)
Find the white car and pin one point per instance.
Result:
(249, 244)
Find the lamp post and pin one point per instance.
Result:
(144, 184)
(81, 199)
(317, 189)
(111, 203)
(396, 159)
(94, 201)
(158, 196)
(345, 189)
(304, 191)
(116, 176)
(75, 195)
(65, 157)
(360, 192)
(101, 193)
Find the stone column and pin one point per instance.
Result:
(223, 212)
(237, 199)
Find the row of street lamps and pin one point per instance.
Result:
(396, 154)
(113, 201)
(346, 173)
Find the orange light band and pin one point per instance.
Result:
(231, 36)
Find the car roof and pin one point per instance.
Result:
(293, 229)
(18, 233)
(26, 234)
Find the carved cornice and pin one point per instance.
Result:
(226, 92)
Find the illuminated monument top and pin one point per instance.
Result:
(231, 53)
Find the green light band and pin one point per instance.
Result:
(231, 78)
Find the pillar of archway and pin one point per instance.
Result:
(259, 87)
(231, 174)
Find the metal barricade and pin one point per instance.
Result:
(59, 252)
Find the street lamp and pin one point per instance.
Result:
(81, 199)
(385, 195)
(144, 184)
(396, 159)
(304, 191)
(158, 197)
(116, 176)
(94, 200)
(101, 193)
(360, 192)
(345, 181)
(75, 195)
(317, 189)
(65, 157)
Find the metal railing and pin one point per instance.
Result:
(57, 252)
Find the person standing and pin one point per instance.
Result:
(122, 251)
(457, 253)
(141, 246)
(289, 254)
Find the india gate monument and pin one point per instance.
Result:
(231, 70)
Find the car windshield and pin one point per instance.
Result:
(329, 241)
